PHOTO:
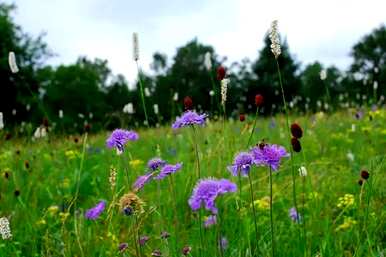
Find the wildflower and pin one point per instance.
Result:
(188, 103)
(156, 253)
(142, 181)
(224, 89)
(210, 221)
(135, 47)
(296, 146)
(375, 85)
(119, 138)
(223, 244)
(96, 211)
(211, 93)
(346, 201)
(142, 240)
(259, 100)
(113, 177)
(350, 156)
(242, 117)
(206, 191)
(189, 118)
(12, 62)
(269, 155)
(323, 74)
(175, 96)
(275, 41)
(128, 108)
(302, 171)
(221, 73)
(365, 174)
(294, 215)
(348, 223)
(53, 209)
(208, 61)
(241, 164)
(135, 163)
(360, 181)
(130, 204)
(186, 250)
(296, 130)
(165, 235)
(1, 121)
(123, 246)
(262, 203)
(60, 114)
(155, 108)
(87, 127)
(63, 216)
(155, 163)
(167, 170)
(40, 132)
(5, 230)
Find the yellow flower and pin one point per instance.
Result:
(135, 163)
(262, 203)
(63, 216)
(346, 201)
(41, 222)
(313, 196)
(348, 223)
(53, 209)
(70, 154)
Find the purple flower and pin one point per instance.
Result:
(189, 118)
(186, 250)
(206, 191)
(165, 235)
(167, 170)
(268, 155)
(155, 163)
(119, 138)
(210, 221)
(142, 240)
(294, 215)
(95, 212)
(141, 181)
(223, 244)
(241, 164)
(123, 246)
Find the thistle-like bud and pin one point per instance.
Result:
(275, 41)
(12, 62)
(135, 47)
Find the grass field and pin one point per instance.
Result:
(47, 185)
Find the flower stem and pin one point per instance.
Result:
(253, 205)
(142, 95)
(254, 127)
(271, 213)
(197, 155)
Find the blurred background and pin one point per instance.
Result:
(76, 66)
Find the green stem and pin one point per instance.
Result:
(254, 127)
(304, 217)
(271, 213)
(142, 95)
(253, 205)
(197, 155)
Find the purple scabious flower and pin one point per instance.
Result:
(142, 181)
(155, 163)
(206, 191)
(96, 211)
(294, 215)
(123, 246)
(241, 164)
(210, 221)
(119, 138)
(189, 118)
(167, 170)
(268, 155)
(142, 240)
(165, 235)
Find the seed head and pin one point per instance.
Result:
(275, 41)
(296, 146)
(296, 130)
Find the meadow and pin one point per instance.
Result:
(48, 184)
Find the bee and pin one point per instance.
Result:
(262, 143)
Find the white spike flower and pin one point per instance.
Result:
(5, 229)
(40, 132)
(275, 41)
(1, 121)
(135, 47)
(208, 61)
(61, 114)
(128, 108)
(156, 109)
(224, 89)
(323, 74)
(12, 62)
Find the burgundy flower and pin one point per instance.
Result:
(296, 130)
(221, 73)
(188, 103)
(259, 100)
(296, 146)
(242, 117)
(365, 174)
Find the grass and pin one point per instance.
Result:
(44, 223)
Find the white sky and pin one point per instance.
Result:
(315, 30)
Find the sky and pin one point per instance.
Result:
(315, 30)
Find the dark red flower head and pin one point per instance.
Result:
(87, 127)
(360, 182)
(296, 144)
(45, 122)
(221, 73)
(296, 130)
(259, 100)
(242, 117)
(365, 174)
(188, 103)
(186, 250)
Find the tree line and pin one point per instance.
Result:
(88, 93)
